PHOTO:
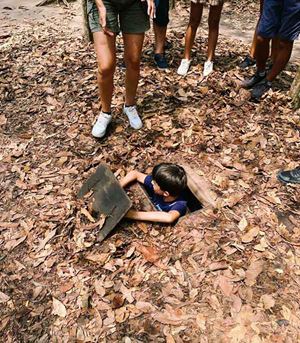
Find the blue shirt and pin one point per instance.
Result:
(178, 205)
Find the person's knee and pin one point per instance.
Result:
(133, 62)
(262, 40)
(284, 44)
(107, 70)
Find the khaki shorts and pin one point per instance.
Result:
(209, 2)
(127, 16)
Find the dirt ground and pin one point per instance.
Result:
(229, 274)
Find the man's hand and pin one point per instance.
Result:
(151, 8)
(102, 17)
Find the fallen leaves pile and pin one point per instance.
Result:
(226, 275)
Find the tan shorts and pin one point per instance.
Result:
(209, 2)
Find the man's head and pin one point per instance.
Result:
(169, 179)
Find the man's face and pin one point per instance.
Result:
(157, 189)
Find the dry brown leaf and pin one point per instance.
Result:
(87, 214)
(121, 314)
(255, 268)
(3, 120)
(236, 303)
(150, 253)
(145, 307)
(127, 293)
(171, 317)
(58, 308)
(203, 90)
(201, 321)
(66, 286)
(250, 235)
(117, 301)
(130, 252)
(100, 290)
(97, 257)
(238, 333)
(226, 285)
(49, 236)
(262, 245)
(143, 227)
(169, 338)
(243, 224)
(3, 322)
(3, 297)
(119, 129)
(267, 301)
(10, 245)
(214, 266)
(98, 224)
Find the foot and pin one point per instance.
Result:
(289, 176)
(184, 67)
(247, 62)
(208, 68)
(133, 116)
(161, 61)
(260, 89)
(99, 128)
(255, 79)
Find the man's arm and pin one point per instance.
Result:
(154, 216)
(133, 175)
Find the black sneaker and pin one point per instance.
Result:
(256, 78)
(289, 176)
(161, 61)
(247, 62)
(260, 89)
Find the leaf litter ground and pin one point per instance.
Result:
(229, 275)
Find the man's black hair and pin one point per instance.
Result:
(170, 178)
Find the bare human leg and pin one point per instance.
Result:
(133, 44)
(254, 41)
(160, 33)
(281, 58)
(106, 59)
(213, 25)
(275, 47)
(262, 53)
(195, 19)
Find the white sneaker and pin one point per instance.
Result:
(133, 116)
(184, 67)
(208, 68)
(99, 128)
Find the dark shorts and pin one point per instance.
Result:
(162, 13)
(128, 16)
(280, 18)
